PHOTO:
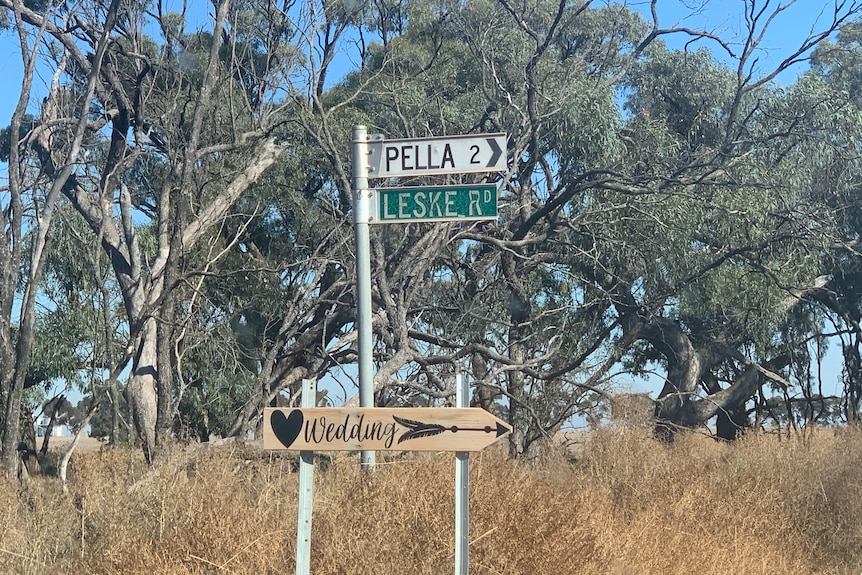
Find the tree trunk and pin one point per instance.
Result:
(167, 323)
(67, 455)
(12, 427)
(114, 397)
(678, 405)
(143, 391)
(57, 405)
(519, 332)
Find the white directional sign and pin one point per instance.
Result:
(436, 156)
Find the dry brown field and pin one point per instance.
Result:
(85, 444)
(627, 505)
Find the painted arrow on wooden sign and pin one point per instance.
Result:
(381, 429)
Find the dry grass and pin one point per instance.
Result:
(627, 506)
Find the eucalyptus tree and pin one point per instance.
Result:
(657, 203)
(834, 150)
(759, 194)
(712, 238)
(299, 321)
(30, 200)
(666, 230)
(702, 234)
(80, 336)
(176, 130)
(495, 297)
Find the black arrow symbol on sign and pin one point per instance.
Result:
(419, 429)
(500, 429)
(496, 151)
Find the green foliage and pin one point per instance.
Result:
(209, 407)
(642, 186)
(101, 423)
(699, 196)
(688, 92)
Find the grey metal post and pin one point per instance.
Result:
(306, 490)
(462, 488)
(361, 209)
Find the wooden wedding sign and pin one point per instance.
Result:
(381, 429)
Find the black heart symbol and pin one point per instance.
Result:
(286, 429)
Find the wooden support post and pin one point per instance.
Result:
(306, 490)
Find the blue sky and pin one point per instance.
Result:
(726, 19)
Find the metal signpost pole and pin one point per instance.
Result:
(361, 211)
(462, 488)
(306, 491)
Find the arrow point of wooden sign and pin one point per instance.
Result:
(502, 429)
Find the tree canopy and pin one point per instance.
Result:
(177, 213)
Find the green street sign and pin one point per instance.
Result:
(434, 204)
